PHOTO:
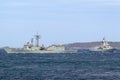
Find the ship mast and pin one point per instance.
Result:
(37, 37)
(32, 41)
(104, 42)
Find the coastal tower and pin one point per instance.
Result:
(37, 37)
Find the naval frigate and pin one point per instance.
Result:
(30, 47)
(103, 47)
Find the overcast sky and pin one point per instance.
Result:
(58, 21)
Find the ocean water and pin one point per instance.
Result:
(80, 66)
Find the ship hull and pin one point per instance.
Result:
(13, 50)
(102, 50)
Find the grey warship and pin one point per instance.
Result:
(30, 47)
(104, 47)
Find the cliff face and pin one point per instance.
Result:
(88, 45)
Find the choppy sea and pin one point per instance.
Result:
(80, 66)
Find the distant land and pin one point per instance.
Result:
(87, 45)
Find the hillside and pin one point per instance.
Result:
(87, 45)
